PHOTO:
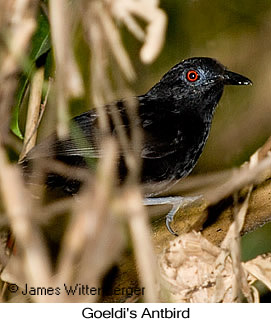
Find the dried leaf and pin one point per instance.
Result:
(260, 268)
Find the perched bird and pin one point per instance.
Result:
(175, 116)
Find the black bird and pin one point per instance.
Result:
(175, 116)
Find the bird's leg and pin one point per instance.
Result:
(175, 201)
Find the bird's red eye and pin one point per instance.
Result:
(192, 76)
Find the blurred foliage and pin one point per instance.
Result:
(237, 33)
(263, 238)
(256, 243)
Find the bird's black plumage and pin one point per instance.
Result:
(175, 115)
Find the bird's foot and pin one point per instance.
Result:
(175, 201)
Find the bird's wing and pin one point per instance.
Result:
(84, 137)
(159, 138)
(161, 131)
(153, 149)
(81, 141)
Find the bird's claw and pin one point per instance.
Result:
(175, 201)
(170, 216)
(168, 222)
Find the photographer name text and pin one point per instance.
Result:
(74, 290)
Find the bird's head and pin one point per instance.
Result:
(197, 82)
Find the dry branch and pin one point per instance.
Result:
(33, 112)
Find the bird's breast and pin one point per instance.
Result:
(176, 144)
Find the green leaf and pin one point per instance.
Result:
(41, 46)
(41, 40)
(14, 123)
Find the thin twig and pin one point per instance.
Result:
(33, 111)
(36, 124)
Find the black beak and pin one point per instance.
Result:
(231, 78)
